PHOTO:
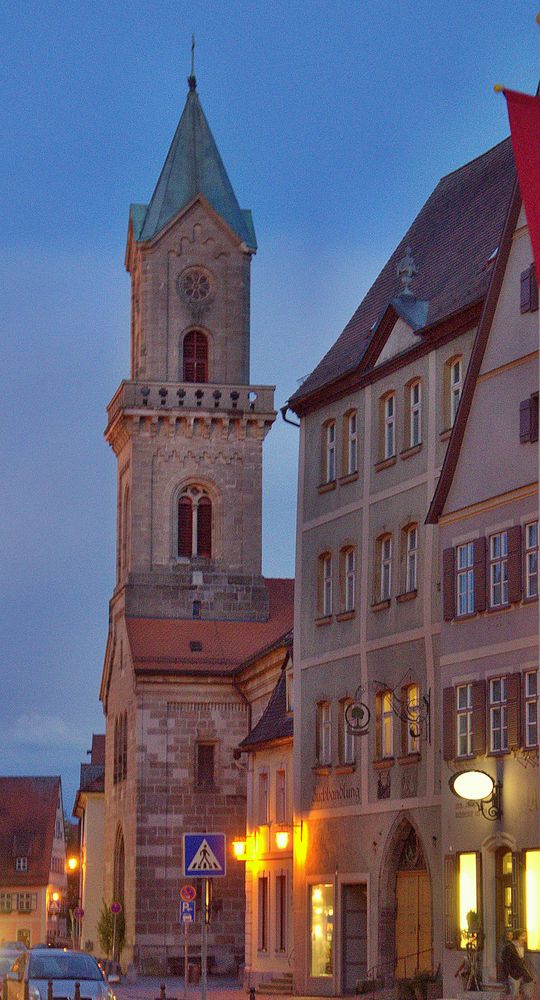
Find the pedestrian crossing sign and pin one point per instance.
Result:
(204, 855)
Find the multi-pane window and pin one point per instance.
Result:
(263, 810)
(263, 913)
(21, 864)
(498, 714)
(120, 748)
(390, 426)
(385, 567)
(5, 902)
(412, 558)
(330, 451)
(352, 442)
(531, 559)
(281, 796)
(464, 719)
(347, 747)
(531, 708)
(349, 578)
(281, 912)
(415, 414)
(413, 716)
(498, 569)
(385, 724)
(26, 902)
(325, 570)
(324, 733)
(205, 765)
(456, 385)
(465, 579)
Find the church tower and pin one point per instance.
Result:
(190, 605)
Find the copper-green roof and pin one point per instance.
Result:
(193, 167)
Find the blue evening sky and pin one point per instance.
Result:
(335, 120)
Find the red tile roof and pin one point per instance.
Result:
(27, 819)
(162, 645)
(451, 240)
(275, 723)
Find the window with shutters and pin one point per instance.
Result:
(325, 585)
(323, 747)
(26, 902)
(528, 291)
(464, 720)
(528, 419)
(194, 532)
(531, 559)
(328, 452)
(195, 356)
(350, 438)
(531, 708)
(347, 745)
(498, 569)
(465, 579)
(205, 765)
(498, 715)
(384, 725)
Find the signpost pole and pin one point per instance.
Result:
(114, 936)
(186, 929)
(204, 939)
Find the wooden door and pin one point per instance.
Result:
(354, 935)
(413, 923)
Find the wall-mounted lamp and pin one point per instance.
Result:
(239, 848)
(479, 787)
(282, 839)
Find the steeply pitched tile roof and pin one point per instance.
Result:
(451, 239)
(162, 645)
(275, 723)
(27, 820)
(193, 166)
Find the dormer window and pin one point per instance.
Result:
(21, 864)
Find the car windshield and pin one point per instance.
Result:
(64, 966)
(7, 960)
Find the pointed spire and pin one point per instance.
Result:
(193, 166)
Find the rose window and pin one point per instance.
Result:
(194, 285)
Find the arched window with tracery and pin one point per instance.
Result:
(119, 867)
(195, 356)
(194, 524)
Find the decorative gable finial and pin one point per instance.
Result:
(191, 78)
(406, 270)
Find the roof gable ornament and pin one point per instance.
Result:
(406, 271)
(192, 80)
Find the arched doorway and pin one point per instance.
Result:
(405, 911)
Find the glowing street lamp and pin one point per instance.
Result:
(72, 864)
(479, 787)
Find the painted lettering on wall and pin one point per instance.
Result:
(343, 793)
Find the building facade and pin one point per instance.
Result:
(33, 879)
(190, 604)
(489, 643)
(89, 808)
(376, 416)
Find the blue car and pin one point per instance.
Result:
(33, 970)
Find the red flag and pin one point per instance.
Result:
(524, 115)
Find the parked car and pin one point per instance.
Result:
(35, 969)
(9, 953)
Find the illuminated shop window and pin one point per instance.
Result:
(532, 899)
(468, 892)
(322, 929)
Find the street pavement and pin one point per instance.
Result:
(148, 988)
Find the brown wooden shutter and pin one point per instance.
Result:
(185, 527)
(204, 528)
(451, 929)
(449, 723)
(526, 279)
(515, 583)
(479, 568)
(513, 705)
(518, 915)
(449, 584)
(534, 416)
(534, 290)
(525, 415)
(479, 718)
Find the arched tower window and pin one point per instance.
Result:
(119, 867)
(195, 356)
(194, 524)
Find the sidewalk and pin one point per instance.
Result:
(148, 988)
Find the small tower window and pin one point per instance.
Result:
(194, 524)
(195, 357)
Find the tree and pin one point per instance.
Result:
(105, 929)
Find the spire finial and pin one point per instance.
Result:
(406, 270)
(191, 78)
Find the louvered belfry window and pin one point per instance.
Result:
(185, 527)
(204, 528)
(194, 524)
(195, 357)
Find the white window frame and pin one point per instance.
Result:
(498, 569)
(498, 715)
(324, 733)
(327, 585)
(456, 387)
(415, 413)
(330, 451)
(464, 720)
(390, 425)
(26, 902)
(411, 582)
(281, 795)
(347, 749)
(465, 579)
(352, 443)
(413, 715)
(531, 559)
(6, 902)
(21, 864)
(349, 578)
(531, 708)
(385, 555)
